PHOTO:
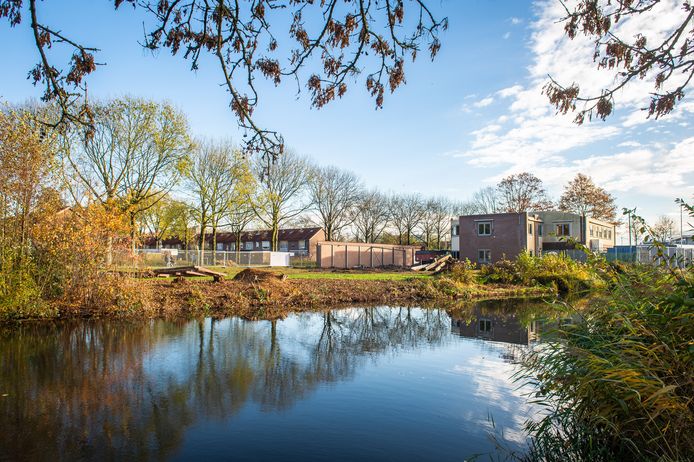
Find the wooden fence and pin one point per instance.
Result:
(363, 255)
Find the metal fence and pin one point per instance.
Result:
(672, 256)
(162, 258)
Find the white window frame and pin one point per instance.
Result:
(485, 224)
(486, 257)
(265, 245)
(302, 244)
(248, 245)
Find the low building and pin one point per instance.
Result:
(301, 241)
(490, 237)
(296, 240)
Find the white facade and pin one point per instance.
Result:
(455, 234)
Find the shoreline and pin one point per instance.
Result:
(273, 297)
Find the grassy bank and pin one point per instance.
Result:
(265, 295)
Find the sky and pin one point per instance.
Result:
(461, 122)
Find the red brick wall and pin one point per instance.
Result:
(509, 235)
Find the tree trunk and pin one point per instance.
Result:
(214, 245)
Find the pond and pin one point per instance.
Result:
(351, 384)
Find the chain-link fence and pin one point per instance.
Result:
(162, 258)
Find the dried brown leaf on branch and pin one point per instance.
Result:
(334, 40)
(668, 60)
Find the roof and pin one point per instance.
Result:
(291, 234)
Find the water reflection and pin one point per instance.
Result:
(105, 390)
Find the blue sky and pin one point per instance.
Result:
(461, 122)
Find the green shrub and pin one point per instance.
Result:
(619, 385)
(463, 272)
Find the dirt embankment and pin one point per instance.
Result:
(254, 294)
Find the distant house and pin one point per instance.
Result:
(491, 237)
(301, 241)
(297, 240)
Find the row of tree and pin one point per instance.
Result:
(138, 161)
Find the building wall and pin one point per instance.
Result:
(603, 233)
(509, 235)
(313, 243)
(356, 254)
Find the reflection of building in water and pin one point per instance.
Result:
(497, 327)
(505, 327)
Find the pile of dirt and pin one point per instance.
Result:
(253, 275)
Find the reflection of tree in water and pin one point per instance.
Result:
(113, 390)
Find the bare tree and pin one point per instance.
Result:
(281, 191)
(239, 217)
(668, 59)
(663, 229)
(407, 210)
(216, 173)
(370, 216)
(486, 200)
(333, 193)
(585, 198)
(522, 192)
(434, 225)
(334, 35)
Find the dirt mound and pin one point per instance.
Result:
(253, 275)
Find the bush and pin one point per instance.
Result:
(463, 272)
(619, 385)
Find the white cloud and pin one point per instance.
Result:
(484, 102)
(506, 36)
(535, 138)
(515, 21)
(509, 91)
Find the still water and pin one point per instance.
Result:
(352, 384)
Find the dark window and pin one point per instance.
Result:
(530, 228)
(484, 256)
(539, 230)
(563, 229)
(484, 228)
(485, 325)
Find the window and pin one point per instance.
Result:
(485, 325)
(302, 244)
(249, 245)
(591, 231)
(609, 234)
(563, 229)
(232, 246)
(284, 246)
(539, 230)
(220, 246)
(455, 229)
(484, 228)
(484, 256)
(266, 245)
(530, 228)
